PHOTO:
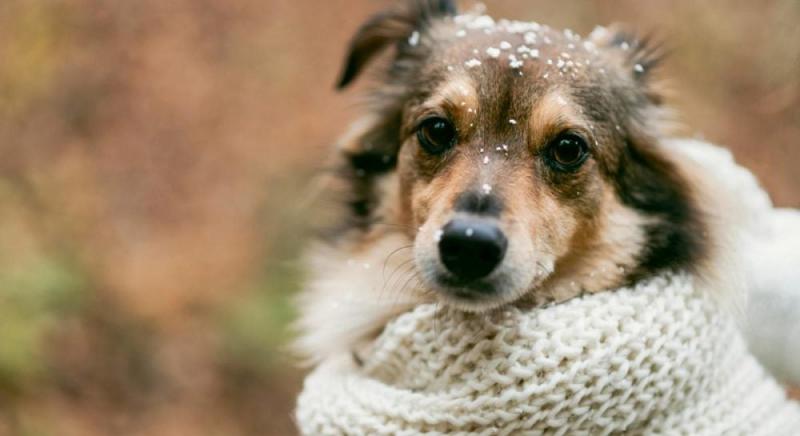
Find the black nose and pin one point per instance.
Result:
(471, 249)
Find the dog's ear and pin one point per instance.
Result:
(391, 27)
(639, 56)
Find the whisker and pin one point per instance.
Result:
(413, 276)
(386, 261)
(402, 266)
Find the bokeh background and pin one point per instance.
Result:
(157, 167)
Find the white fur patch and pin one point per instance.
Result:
(349, 299)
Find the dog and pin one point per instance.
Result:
(502, 163)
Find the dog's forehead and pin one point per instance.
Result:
(534, 58)
(512, 70)
(476, 43)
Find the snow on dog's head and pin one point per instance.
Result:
(521, 160)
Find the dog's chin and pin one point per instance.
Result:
(478, 295)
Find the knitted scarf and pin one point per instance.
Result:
(661, 357)
(657, 358)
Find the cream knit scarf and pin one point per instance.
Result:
(658, 358)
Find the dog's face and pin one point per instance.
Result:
(519, 159)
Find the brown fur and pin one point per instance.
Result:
(628, 213)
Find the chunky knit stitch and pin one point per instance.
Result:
(659, 358)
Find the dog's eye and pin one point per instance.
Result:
(436, 135)
(568, 152)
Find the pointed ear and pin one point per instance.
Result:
(391, 27)
(639, 56)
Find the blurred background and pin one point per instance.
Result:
(155, 162)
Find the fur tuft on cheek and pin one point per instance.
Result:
(350, 299)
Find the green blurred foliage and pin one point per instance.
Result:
(257, 326)
(39, 286)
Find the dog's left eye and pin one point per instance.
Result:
(568, 152)
(436, 135)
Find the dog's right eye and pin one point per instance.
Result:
(568, 152)
(436, 135)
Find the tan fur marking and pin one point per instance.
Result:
(456, 99)
(439, 196)
(553, 114)
(601, 253)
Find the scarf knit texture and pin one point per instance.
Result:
(660, 357)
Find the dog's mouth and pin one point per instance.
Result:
(497, 290)
(471, 296)
(467, 290)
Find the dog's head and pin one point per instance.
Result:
(522, 161)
